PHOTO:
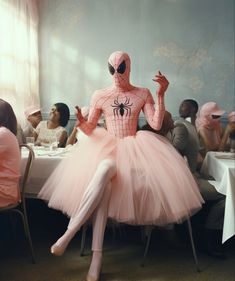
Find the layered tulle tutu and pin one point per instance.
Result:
(153, 184)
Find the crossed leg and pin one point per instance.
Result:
(99, 221)
(92, 200)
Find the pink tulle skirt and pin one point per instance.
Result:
(153, 184)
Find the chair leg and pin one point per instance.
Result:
(83, 240)
(113, 226)
(192, 245)
(12, 222)
(148, 234)
(122, 231)
(27, 233)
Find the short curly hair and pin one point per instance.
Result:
(193, 104)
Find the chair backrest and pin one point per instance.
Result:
(27, 169)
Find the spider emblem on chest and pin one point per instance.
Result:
(122, 108)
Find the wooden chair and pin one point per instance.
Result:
(20, 207)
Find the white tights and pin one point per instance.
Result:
(94, 204)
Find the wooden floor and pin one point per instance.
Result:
(169, 257)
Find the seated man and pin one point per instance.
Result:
(184, 138)
(188, 110)
(175, 133)
(214, 200)
(34, 117)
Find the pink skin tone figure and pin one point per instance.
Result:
(126, 102)
(209, 126)
(120, 171)
(121, 118)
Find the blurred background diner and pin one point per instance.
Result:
(33, 115)
(209, 127)
(228, 140)
(53, 130)
(9, 156)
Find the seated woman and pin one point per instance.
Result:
(229, 134)
(9, 156)
(209, 127)
(54, 127)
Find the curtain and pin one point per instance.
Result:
(19, 69)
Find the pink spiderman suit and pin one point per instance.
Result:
(131, 177)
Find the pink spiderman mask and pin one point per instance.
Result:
(119, 67)
(122, 103)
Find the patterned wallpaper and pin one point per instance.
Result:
(190, 41)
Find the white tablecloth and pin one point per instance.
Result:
(44, 163)
(221, 166)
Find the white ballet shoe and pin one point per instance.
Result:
(92, 278)
(95, 267)
(58, 249)
(61, 244)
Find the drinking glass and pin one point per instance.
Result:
(53, 143)
(30, 141)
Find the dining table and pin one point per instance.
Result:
(44, 163)
(221, 166)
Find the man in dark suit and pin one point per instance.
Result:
(183, 136)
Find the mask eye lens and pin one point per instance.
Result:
(111, 69)
(122, 67)
(215, 116)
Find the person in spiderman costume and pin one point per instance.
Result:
(131, 177)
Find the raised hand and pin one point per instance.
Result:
(78, 114)
(230, 128)
(163, 82)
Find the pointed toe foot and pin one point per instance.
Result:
(57, 250)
